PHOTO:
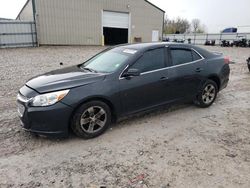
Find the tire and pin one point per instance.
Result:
(207, 94)
(91, 119)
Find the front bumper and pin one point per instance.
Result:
(50, 121)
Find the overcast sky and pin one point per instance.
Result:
(215, 14)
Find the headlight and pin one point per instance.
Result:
(48, 99)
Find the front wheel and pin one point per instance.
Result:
(207, 94)
(91, 119)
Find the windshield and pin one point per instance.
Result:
(108, 61)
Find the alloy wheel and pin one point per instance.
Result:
(93, 119)
(209, 94)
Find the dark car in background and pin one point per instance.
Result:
(118, 82)
(248, 63)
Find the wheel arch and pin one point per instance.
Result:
(216, 79)
(97, 98)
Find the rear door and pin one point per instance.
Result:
(148, 89)
(185, 72)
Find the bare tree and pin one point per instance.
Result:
(195, 24)
(178, 25)
(182, 25)
(197, 27)
(166, 23)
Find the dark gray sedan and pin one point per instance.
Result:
(118, 82)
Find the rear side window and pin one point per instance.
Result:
(196, 56)
(181, 56)
(151, 60)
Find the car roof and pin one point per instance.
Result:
(146, 46)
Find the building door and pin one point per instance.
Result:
(115, 27)
(155, 36)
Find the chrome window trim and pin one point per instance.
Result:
(166, 68)
(202, 58)
(120, 77)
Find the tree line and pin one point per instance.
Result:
(182, 25)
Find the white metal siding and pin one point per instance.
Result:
(79, 22)
(27, 12)
(115, 19)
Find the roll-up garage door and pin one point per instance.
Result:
(115, 19)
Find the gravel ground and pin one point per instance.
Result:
(181, 146)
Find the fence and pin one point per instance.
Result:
(202, 38)
(17, 34)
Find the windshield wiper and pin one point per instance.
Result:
(89, 69)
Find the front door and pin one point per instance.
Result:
(148, 89)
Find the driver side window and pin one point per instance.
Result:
(151, 60)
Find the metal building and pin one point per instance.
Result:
(94, 22)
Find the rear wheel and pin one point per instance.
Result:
(207, 94)
(91, 119)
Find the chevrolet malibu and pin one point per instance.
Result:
(118, 82)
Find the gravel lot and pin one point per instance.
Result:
(182, 146)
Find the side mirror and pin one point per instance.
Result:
(132, 72)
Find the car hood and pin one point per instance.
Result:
(66, 78)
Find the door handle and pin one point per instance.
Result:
(164, 78)
(199, 70)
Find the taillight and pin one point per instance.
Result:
(226, 60)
